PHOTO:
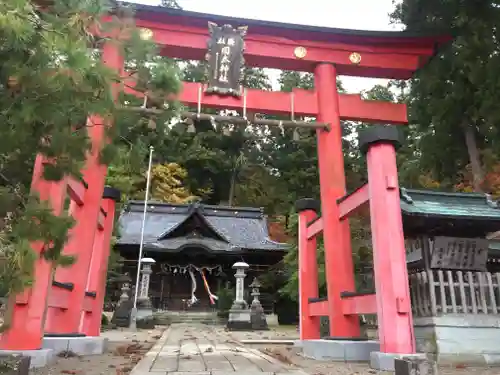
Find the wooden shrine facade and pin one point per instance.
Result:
(188, 240)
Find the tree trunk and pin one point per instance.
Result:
(232, 186)
(474, 159)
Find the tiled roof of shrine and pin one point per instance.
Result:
(174, 227)
(452, 205)
(443, 213)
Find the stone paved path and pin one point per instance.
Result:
(200, 349)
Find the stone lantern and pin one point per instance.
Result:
(257, 315)
(121, 315)
(239, 301)
(239, 315)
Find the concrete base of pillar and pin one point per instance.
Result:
(339, 350)
(39, 358)
(239, 320)
(385, 361)
(78, 345)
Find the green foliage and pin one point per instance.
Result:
(452, 100)
(225, 300)
(104, 320)
(50, 81)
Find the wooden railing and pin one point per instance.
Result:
(437, 293)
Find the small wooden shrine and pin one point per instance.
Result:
(453, 273)
(194, 247)
(449, 230)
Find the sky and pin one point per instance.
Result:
(347, 14)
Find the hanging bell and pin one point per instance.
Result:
(296, 135)
(226, 132)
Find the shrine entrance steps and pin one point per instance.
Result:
(198, 349)
(201, 317)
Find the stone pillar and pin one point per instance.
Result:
(239, 315)
(239, 301)
(144, 307)
(257, 315)
(144, 286)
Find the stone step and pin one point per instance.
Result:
(168, 317)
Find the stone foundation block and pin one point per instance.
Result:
(77, 345)
(339, 350)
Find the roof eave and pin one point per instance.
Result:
(147, 12)
(449, 216)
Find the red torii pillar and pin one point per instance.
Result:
(339, 267)
(395, 322)
(309, 326)
(81, 243)
(96, 284)
(27, 318)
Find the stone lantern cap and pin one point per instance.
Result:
(255, 283)
(148, 261)
(241, 265)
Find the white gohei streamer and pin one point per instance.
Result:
(193, 299)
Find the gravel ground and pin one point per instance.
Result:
(125, 349)
(293, 356)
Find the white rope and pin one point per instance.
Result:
(193, 299)
(182, 269)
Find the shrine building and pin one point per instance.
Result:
(195, 241)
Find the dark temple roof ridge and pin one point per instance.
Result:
(205, 209)
(243, 227)
(194, 209)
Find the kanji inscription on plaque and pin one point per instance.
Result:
(225, 59)
(460, 253)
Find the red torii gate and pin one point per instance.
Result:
(327, 53)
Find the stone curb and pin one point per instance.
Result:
(146, 363)
(268, 341)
